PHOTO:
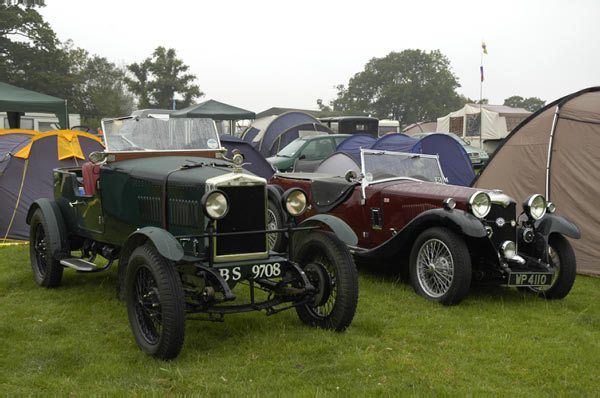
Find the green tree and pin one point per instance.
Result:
(532, 104)
(158, 79)
(409, 86)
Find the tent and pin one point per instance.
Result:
(217, 111)
(338, 163)
(556, 152)
(272, 133)
(454, 160)
(256, 163)
(420, 127)
(27, 175)
(497, 122)
(353, 144)
(15, 101)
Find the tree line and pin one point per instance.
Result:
(408, 86)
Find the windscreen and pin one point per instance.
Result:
(383, 165)
(149, 134)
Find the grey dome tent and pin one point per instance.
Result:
(338, 164)
(27, 175)
(556, 152)
(272, 133)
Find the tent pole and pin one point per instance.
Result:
(553, 129)
(66, 116)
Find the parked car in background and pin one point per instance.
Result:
(189, 230)
(478, 156)
(305, 153)
(352, 124)
(388, 127)
(398, 209)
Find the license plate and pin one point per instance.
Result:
(530, 279)
(255, 271)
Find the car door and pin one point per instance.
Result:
(313, 153)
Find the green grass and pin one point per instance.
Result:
(76, 340)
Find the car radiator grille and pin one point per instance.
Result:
(247, 208)
(506, 231)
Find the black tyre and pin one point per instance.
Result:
(155, 303)
(563, 260)
(330, 267)
(47, 271)
(277, 241)
(440, 266)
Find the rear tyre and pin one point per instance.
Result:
(155, 303)
(331, 269)
(562, 259)
(440, 266)
(47, 271)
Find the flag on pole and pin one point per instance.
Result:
(484, 47)
(481, 69)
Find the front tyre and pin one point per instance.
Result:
(331, 269)
(440, 266)
(277, 241)
(155, 303)
(47, 271)
(562, 259)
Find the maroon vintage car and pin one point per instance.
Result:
(398, 207)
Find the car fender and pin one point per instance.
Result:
(56, 224)
(552, 223)
(457, 220)
(337, 225)
(165, 243)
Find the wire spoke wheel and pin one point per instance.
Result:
(561, 258)
(40, 246)
(435, 267)
(272, 224)
(45, 246)
(147, 307)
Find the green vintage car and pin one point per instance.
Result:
(188, 229)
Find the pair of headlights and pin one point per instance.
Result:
(216, 203)
(535, 206)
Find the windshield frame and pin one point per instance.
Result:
(106, 138)
(366, 183)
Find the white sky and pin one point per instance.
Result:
(258, 54)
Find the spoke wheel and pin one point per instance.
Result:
(440, 266)
(275, 221)
(47, 271)
(331, 269)
(562, 258)
(155, 303)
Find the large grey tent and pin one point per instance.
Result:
(26, 175)
(215, 110)
(556, 152)
(16, 101)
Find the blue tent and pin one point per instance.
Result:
(353, 144)
(395, 142)
(454, 159)
(272, 133)
(256, 162)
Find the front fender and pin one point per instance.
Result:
(551, 223)
(165, 243)
(337, 225)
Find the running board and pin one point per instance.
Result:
(79, 264)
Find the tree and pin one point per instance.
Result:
(409, 86)
(158, 79)
(532, 104)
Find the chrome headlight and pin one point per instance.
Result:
(535, 206)
(295, 201)
(509, 249)
(480, 204)
(551, 207)
(449, 203)
(215, 204)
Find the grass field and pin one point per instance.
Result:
(76, 340)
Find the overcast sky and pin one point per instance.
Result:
(258, 54)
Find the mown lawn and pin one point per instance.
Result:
(76, 340)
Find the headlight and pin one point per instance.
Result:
(215, 204)
(535, 206)
(509, 249)
(551, 207)
(480, 204)
(294, 201)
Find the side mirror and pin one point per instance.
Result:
(350, 176)
(468, 142)
(301, 157)
(97, 157)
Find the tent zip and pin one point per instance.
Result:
(553, 129)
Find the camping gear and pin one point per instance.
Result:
(555, 152)
(272, 133)
(16, 101)
(26, 173)
(253, 161)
